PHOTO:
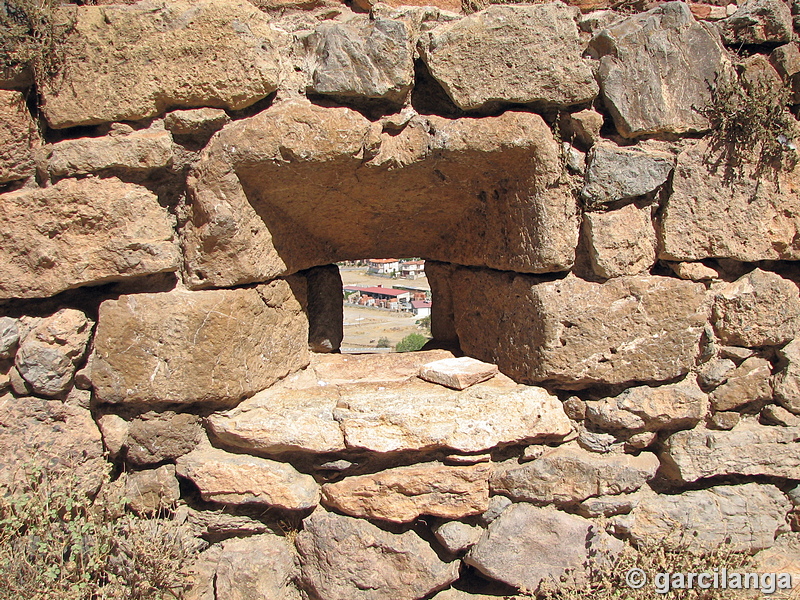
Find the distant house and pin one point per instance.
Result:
(411, 269)
(377, 296)
(421, 308)
(383, 266)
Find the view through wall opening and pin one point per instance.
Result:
(387, 305)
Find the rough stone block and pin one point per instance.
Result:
(457, 373)
(18, 137)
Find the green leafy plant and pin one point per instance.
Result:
(383, 343)
(411, 343)
(54, 543)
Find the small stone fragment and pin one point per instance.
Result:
(9, 337)
(582, 126)
(497, 504)
(640, 441)
(724, 421)
(714, 373)
(155, 437)
(456, 536)
(457, 373)
(18, 137)
(115, 433)
(596, 442)
(694, 271)
(19, 386)
(777, 415)
(786, 382)
(749, 383)
(575, 408)
(621, 242)
(196, 121)
(150, 492)
(608, 506)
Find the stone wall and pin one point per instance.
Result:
(171, 203)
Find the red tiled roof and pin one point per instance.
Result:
(376, 290)
(382, 261)
(421, 304)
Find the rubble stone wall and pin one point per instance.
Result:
(170, 206)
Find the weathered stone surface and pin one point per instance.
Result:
(19, 386)
(578, 333)
(618, 172)
(649, 76)
(149, 492)
(786, 60)
(457, 373)
(570, 474)
(786, 382)
(758, 309)
(777, 415)
(343, 558)
(608, 506)
(761, 218)
(362, 58)
(9, 337)
(403, 494)
(18, 137)
(590, 440)
(783, 557)
(758, 22)
(748, 383)
(621, 242)
(456, 536)
(694, 271)
(744, 517)
(115, 433)
(674, 406)
(155, 437)
(724, 421)
(53, 435)
(138, 151)
(300, 185)
(196, 121)
(81, 232)
(325, 308)
(336, 369)
(259, 566)
(747, 449)
(511, 54)
(218, 523)
(132, 62)
(392, 416)
(213, 347)
(241, 479)
(582, 126)
(50, 352)
(715, 372)
(527, 544)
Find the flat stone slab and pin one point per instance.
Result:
(458, 373)
(307, 414)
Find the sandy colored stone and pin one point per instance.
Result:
(758, 309)
(786, 60)
(457, 373)
(9, 337)
(694, 271)
(52, 435)
(250, 568)
(241, 479)
(761, 219)
(50, 352)
(608, 506)
(527, 544)
(569, 474)
(583, 126)
(748, 383)
(786, 382)
(724, 421)
(213, 347)
(511, 54)
(783, 557)
(673, 406)
(747, 449)
(759, 22)
(155, 437)
(389, 417)
(132, 62)
(714, 373)
(744, 517)
(456, 536)
(334, 369)
(115, 433)
(18, 137)
(621, 242)
(148, 492)
(650, 77)
(138, 151)
(196, 121)
(777, 415)
(81, 232)
(364, 57)
(403, 494)
(300, 185)
(342, 558)
(576, 333)
(619, 172)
